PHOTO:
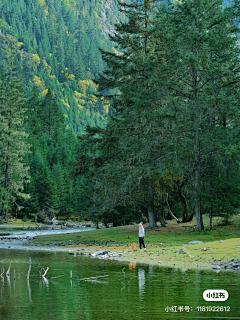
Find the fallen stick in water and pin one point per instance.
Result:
(45, 272)
(8, 271)
(29, 270)
(92, 278)
(57, 277)
(2, 272)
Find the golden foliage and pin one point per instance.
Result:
(36, 58)
(77, 94)
(105, 104)
(70, 76)
(44, 93)
(39, 83)
(66, 104)
(83, 86)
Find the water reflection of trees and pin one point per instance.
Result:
(129, 290)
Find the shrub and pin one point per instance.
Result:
(41, 217)
(25, 219)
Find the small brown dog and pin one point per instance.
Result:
(132, 245)
(132, 265)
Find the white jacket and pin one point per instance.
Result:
(141, 232)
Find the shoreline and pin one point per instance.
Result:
(176, 246)
(146, 257)
(133, 257)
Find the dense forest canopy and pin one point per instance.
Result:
(57, 43)
(156, 109)
(173, 143)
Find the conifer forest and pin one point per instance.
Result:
(119, 111)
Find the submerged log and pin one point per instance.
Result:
(92, 278)
(8, 271)
(29, 270)
(62, 275)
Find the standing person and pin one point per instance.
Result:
(141, 236)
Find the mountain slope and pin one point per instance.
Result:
(57, 47)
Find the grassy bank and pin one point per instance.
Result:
(18, 223)
(174, 234)
(163, 244)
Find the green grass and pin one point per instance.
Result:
(18, 223)
(162, 243)
(173, 235)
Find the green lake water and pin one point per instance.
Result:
(143, 292)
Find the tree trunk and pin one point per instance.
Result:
(185, 216)
(210, 220)
(97, 226)
(5, 202)
(198, 213)
(197, 177)
(151, 214)
(162, 220)
(161, 215)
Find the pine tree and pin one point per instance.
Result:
(51, 118)
(199, 39)
(134, 101)
(13, 146)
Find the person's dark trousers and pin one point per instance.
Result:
(141, 242)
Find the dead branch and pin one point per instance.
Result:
(8, 271)
(170, 211)
(28, 274)
(45, 272)
(124, 285)
(2, 272)
(92, 278)
(57, 277)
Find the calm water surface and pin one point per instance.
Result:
(135, 292)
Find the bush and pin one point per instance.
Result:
(25, 219)
(41, 217)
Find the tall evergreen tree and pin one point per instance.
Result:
(176, 91)
(13, 146)
(199, 39)
(134, 101)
